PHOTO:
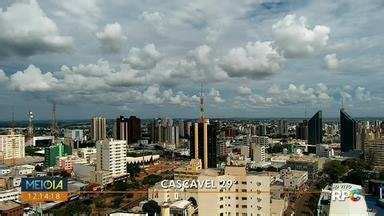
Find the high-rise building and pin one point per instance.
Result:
(187, 129)
(128, 129)
(302, 130)
(121, 128)
(258, 153)
(283, 128)
(98, 128)
(111, 157)
(262, 130)
(374, 152)
(181, 128)
(12, 146)
(53, 153)
(134, 129)
(315, 129)
(347, 132)
(203, 143)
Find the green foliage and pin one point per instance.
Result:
(73, 208)
(117, 201)
(152, 179)
(99, 202)
(151, 207)
(275, 149)
(334, 170)
(133, 169)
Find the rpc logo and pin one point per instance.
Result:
(354, 195)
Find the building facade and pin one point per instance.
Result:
(12, 146)
(347, 132)
(203, 143)
(98, 128)
(315, 129)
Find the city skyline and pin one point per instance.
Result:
(258, 60)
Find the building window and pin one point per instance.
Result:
(221, 206)
(237, 206)
(244, 206)
(243, 198)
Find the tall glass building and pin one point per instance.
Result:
(315, 129)
(347, 132)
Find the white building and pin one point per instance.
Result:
(111, 157)
(12, 146)
(75, 135)
(258, 153)
(249, 194)
(12, 194)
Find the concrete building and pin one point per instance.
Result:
(249, 194)
(11, 208)
(9, 195)
(111, 157)
(12, 146)
(294, 179)
(53, 153)
(75, 134)
(98, 128)
(258, 153)
(304, 163)
(374, 151)
(203, 143)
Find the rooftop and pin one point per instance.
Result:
(6, 205)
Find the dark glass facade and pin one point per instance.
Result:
(315, 129)
(347, 132)
(212, 143)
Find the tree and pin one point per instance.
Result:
(99, 202)
(117, 201)
(152, 179)
(120, 186)
(151, 207)
(133, 169)
(334, 170)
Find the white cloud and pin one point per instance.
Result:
(275, 96)
(142, 59)
(297, 39)
(155, 19)
(216, 96)
(331, 61)
(26, 30)
(85, 12)
(244, 90)
(32, 79)
(202, 54)
(3, 76)
(112, 38)
(255, 60)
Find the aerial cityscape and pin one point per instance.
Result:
(191, 108)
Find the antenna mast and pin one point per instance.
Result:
(54, 127)
(201, 102)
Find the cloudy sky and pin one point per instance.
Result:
(148, 58)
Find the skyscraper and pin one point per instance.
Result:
(134, 129)
(121, 128)
(203, 141)
(98, 128)
(315, 129)
(302, 130)
(128, 129)
(347, 132)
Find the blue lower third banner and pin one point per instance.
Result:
(43, 189)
